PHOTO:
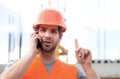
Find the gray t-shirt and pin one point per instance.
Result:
(80, 71)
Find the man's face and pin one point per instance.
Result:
(50, 37)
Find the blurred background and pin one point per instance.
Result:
(95, 23)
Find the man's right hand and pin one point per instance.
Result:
(33, 38)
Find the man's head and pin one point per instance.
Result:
(50, 26)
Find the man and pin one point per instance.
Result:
(41, 62)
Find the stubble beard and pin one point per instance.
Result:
(48, 49)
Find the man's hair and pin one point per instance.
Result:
(59, 29)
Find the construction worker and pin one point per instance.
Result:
(40, 62)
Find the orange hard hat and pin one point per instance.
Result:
(50, 17)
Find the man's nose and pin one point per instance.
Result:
(47, 34)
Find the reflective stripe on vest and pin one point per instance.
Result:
(59, 70)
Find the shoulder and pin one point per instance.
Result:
(66, 64)
(67, 67)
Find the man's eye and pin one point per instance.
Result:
(42, 30)
(53, 31)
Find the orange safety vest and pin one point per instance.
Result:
(59, 70)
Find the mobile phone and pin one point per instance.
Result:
(38, 44)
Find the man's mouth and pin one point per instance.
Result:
(47, 43)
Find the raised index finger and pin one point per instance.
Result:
(76, 44)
